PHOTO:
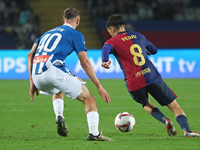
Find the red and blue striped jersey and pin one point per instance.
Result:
(131, 50)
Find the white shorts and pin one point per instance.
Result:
(54, 80)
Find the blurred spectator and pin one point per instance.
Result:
(6, 17)
(121, 7)
(7, 2)
(145, 12)
(14, 12)
(178, 6)
(25, 14)
(111, 8)
(100, 13)
(137, 10)
(156, 9)
(2, 6)
(194, 3)
(19, 21)
(132, 6)
(167, 11)
(34, 20)
(144, 9)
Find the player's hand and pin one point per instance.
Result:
(104, 94)
(106, 64)
(33, 90)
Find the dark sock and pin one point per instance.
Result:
(183, 122)
(156, 113)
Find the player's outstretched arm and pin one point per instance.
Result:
(106, 50)
(33, 89)
(88, 68)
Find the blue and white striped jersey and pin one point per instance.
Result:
(55, 45)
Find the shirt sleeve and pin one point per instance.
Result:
(151, 49)
(79, 42)
(106, 50)
(37, 41)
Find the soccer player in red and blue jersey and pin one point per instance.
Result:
(131, 49)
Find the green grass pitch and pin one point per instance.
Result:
(27, 125)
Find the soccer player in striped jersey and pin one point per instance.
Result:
(141, 76)
(48, 73)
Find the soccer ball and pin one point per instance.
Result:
(124, 121)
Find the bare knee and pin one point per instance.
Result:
(89, 99)
(85, 96)
(90, 103)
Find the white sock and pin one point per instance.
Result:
(93, 122)
(58, 106)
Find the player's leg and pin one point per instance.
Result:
(58, 106)
(149, 107)
(92, 115)
(90, 110)
(141, 96)
(88, 100)
(164, 96)
(182, 119)
(74, 88)
(157, 114)
(45, 84)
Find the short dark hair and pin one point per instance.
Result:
(115, 20)
(70, 13)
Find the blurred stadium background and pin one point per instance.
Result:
(172, 25)
(167, 23)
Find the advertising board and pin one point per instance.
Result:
(171, 63)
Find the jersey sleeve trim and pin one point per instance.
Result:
(106, 50)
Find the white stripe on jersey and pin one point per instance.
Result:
(34, 65)
(41, 65)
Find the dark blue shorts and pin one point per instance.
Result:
(160, 91)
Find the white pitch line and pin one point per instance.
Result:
(100, 108)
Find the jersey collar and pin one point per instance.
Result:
(121, 32)
(67, 24)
